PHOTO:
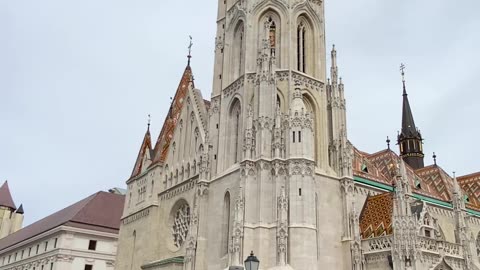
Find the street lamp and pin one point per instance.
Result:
(252, 263)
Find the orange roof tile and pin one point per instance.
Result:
(163, 142)
(376, 216)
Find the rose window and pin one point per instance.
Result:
(181, 223)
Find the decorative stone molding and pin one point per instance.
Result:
(177, 190)
(303, 81)
(248, 168)
(234, 87)
(136, 216)
(282, 75)
(214, 105)
(301, 167)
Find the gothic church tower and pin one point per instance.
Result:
(269, 166)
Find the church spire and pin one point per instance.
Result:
(409, 139)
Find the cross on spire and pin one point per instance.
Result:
(402, 70)
(190, 45)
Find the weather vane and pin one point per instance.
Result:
(402, 69)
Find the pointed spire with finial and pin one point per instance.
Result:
(388, 143)
(334, 68)
(434, 159)
(410, 138)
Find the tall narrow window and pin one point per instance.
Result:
(301, 47)
(272, 35)
(235, 129)
(92, 245)
(299, 136)
(225, 224)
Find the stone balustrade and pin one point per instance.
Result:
(377, 244)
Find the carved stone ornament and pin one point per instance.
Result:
(181, 224)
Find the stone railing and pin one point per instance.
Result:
(427, 244)
(377, 244)
(452, 249)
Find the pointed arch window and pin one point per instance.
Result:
(272, 35)
(225, 224)
(301, 47)
(235, 129)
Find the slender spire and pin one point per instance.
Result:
(334, 68)
(410, 138)
(408, 124)
(190, 45)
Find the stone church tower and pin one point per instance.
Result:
(264, 166)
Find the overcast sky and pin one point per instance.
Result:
(78, 79)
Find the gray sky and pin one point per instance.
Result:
(78, 78)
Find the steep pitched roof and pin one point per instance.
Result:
(146, 146)
(376, 216)
(164, 139)
(6, 197)
(437, 178)
(471, 186)
(101, 211)
(382, 167)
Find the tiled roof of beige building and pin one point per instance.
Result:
(100, 211)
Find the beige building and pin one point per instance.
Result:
(82, 236)
(11, 217)
(266, 165)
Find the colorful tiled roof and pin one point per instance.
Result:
(436, 177)
(471, 186)
(146, 146)
(164, 139)
(376, 216)
(101, 212)
(6, 197)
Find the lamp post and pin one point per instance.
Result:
(252, 263)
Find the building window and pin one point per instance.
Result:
(88, 267)
(55, 243)
(23, 251)
(92, 245)
(38, 246)
(293, 136)
(46, 245)
(42, 267)
(299, 136)
(301, 47)
(29, 251)
(51, 266)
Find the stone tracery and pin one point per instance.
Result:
(181, 223)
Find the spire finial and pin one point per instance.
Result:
(388, 143)
(434, 159)
(190, 45)
(149, 120)
(402, 70)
